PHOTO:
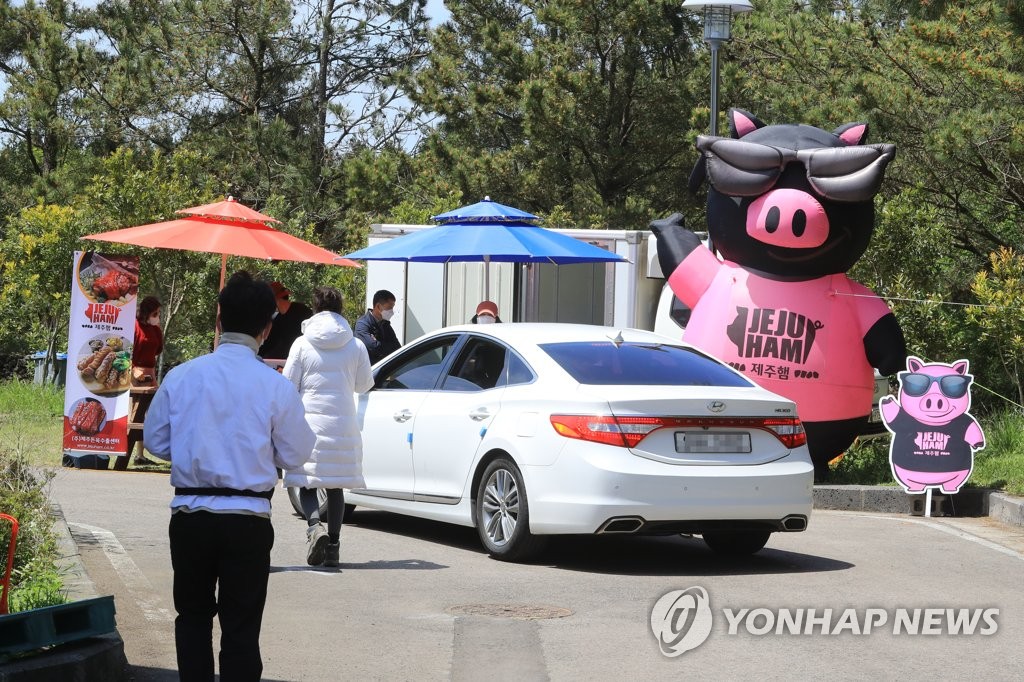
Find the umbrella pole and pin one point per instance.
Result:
(223, 270)
(487, 278)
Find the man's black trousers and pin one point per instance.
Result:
(221, 565)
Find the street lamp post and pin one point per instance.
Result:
(717, 30)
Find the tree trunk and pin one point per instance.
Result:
(51, 355)
(319, 136)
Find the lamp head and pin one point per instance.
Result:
(718, 16)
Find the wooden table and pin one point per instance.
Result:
(141, 397)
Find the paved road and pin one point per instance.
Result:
(417, 600)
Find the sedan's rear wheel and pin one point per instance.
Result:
(737, 543)
(503, 513)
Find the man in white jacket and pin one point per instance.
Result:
(226, 422)
(328, 365)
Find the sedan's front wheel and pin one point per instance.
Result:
(503, 513)
(737, 543)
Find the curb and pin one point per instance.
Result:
(998, 506)
(94, 658)
(1006, 509)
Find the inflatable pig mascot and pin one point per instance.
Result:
(790, 209)
(933, 436)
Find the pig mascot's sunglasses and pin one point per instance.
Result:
(916, 385)
(740, 168)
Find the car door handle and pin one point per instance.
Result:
(402, 416)
(479, 414)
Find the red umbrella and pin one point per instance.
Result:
(228, 228)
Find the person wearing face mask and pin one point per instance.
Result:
(374, 328)
(486, 313)
(287, 324)
(149, 343)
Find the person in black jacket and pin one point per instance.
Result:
(374, 328)
(287, 323)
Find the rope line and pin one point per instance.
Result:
(924, 300)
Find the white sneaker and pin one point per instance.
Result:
(316, 538)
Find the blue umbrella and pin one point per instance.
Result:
(485, 211)
(494, 238)
(511, 242)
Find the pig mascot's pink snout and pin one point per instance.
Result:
(790, 218)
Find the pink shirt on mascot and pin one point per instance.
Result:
(777, 332)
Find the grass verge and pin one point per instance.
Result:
(30, 447)
(32, 422)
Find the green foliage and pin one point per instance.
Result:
(865, 463)
(41, 586)
(35, 580)
(564, 104)
(31, 422)
(35, 267)
(30, 401)
(1000, 295)
(1001, 464)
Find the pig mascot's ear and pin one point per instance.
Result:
(742, 122)
(960, 367)
(914, 364)
(852, 133)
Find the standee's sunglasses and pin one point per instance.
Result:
(952, 385)
(747, 169)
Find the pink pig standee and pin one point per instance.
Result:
(933, 436)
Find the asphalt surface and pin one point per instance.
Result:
(418, 600)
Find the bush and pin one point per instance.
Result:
(35, 580)
(864, 463)
(15, 366)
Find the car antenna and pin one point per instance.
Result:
(617, 339)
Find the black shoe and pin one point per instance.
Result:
(332, 555)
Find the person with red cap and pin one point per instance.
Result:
(486, 313)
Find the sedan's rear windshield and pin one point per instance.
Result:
(647, 364)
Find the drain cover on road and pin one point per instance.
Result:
(516, 611)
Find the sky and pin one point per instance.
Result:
(436, 11)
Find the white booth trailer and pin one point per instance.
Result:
(434, 295)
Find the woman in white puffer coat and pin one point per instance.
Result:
(328, 365)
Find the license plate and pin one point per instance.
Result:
(708, 442)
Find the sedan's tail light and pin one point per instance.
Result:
(628, 431)
(621, 431)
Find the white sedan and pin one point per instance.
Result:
(530, 430)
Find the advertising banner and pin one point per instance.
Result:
(100, 337)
